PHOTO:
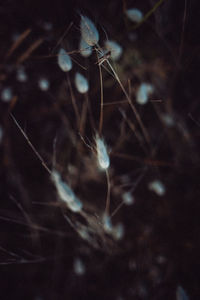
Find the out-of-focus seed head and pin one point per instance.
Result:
(128, 198)
(64, 61)
(79, 267)
(134, 15)
(81, 83)
(66, 194)
(143, 92)
(84, 48)
(44, 84)
(157, 186)
(102, 154)
(21, 75)
(6, 94)
(114, 48)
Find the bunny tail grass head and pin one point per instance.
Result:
(81, 83)
(84, 48)
(89, 32)
(64, 61)
(102, 154)
(65, 193)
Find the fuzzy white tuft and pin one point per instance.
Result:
(64, 60)
(102, 154)
(89, 32)
(134, 14)
(81, 83)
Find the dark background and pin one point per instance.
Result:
(160, 249)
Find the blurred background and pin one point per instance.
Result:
(50, 252)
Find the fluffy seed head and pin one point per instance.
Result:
(21, 75)
(89, 33)
(114, 48)
(128, 198)
(64, 60)
(6, 94)
(81, 83)
(84, 48)
(44, 84)
(134, 14)
(157, 187)
(66, 194)
(102, 154)
(143, 92)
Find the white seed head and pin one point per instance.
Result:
(79, 267)
(143, 92)
(6, 94)
(114, 48)
(128, 198)
(134, 14)
(43, 84)
(64, 61)
(102, 154)
(89, 33)
(168, 120)
(65, 193)
(81, 83)
(84, 48)
(157, 187)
